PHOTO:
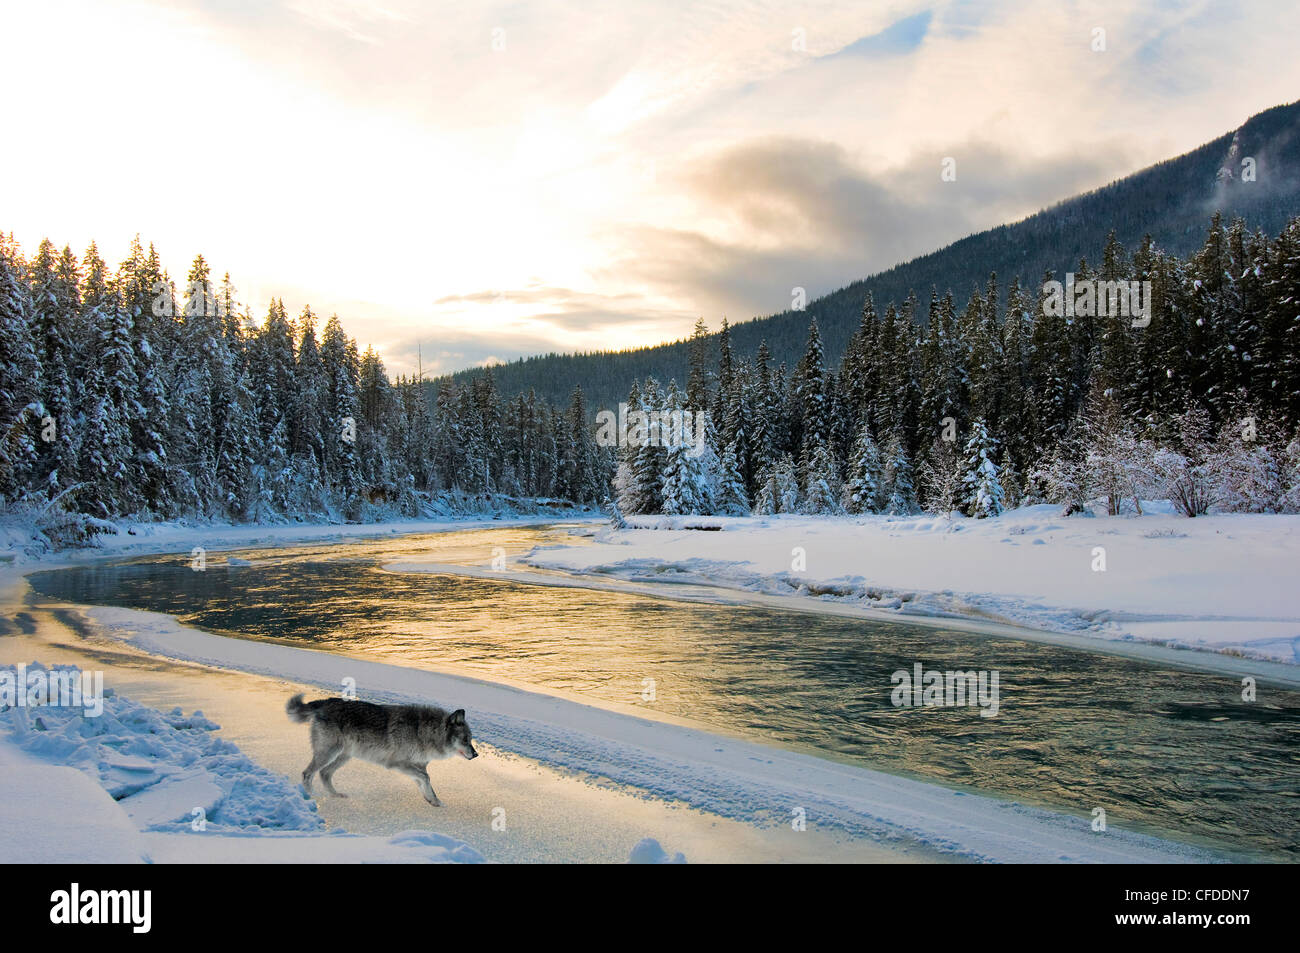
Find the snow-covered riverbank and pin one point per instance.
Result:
(1218, 583)
(133, 784)
(21, 545)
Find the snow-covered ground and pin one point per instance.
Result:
(132, 784)
(1219, 583)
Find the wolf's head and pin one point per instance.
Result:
(458, 735)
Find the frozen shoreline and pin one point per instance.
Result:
(1215, 584)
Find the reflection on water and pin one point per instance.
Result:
(1178, 751)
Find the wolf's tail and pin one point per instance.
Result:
(299, 710)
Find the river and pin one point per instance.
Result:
(1172, 751)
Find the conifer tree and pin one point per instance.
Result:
(822, 483)
(20, 382)
(809, 395)
(982, 490)
(897, 488)
(862, 489)
(733, 497)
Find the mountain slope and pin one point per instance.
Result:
(1173, 201)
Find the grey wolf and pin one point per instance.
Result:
(402, 737)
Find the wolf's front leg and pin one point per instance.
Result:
(421, 776)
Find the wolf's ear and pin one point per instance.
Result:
(457, 717)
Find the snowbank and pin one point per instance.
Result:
(22, 539)
(98, 789)
(650, 851)
(1221, 583)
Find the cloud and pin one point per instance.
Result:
(605, 174)
(804, 213)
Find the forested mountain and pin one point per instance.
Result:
(1172, 202)
(122, 395)
(1191, 396)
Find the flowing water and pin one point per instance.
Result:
(1173, 751)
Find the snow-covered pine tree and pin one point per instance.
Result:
(310, 395)
(862, 489)
(581, 464)
(273, 376)
(20, 381)
(378, 417)
(1290, 462)
(1279, 371)
(986, 362)
(765, 499)
(697, 381)
(703, 465)
(982, 491)
(778, 490)
(858, 366)
(273, 478)
(627, 492)
(940, 386)
(1063, 474)
(110, 395)
(491, 426)
(891, 369)
(809, 391)
(148, 308)
(733, 498)
(679, 482)
(897, 488)
(822, 486)
(236, 455)
(719, 408)
(56, 301)
(614, 513)
(447, 447)
(1019, 418)
(766, 417)
(1051, 376)
(648, 461)
(735, 431)
(341, 366)
(472, 464)
(787, 485)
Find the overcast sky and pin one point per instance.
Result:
(489, 180)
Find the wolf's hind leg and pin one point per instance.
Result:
(318, 761)
(421, 776)
(327, 773)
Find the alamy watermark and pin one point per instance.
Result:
(55, 688)
(652, 428)
(1089, 298)
(127, 907)
(931, 688)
